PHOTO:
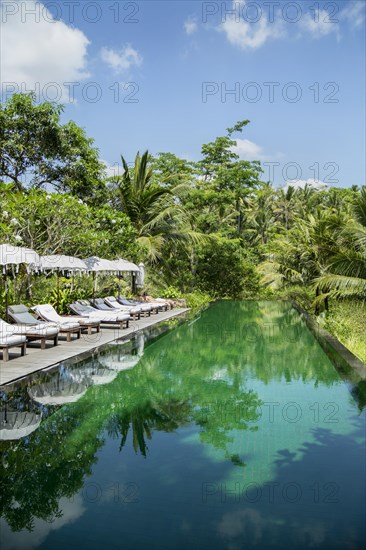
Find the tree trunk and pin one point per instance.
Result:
(193, 268)
(317, 311)
(28, 289)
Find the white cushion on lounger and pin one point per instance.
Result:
(98, 315)
(109, 316)
(111, 301)
(9, 340)
(47, 312)
(38, 330)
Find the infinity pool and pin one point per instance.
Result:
(232, 430)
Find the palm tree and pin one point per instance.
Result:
(261, 219)
(287, 205)
(346, 273)
(304, 252)
(154, 210)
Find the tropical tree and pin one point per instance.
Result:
(36, 150)
(226, 180)
(346, 273)
(170, 170)
(155, 210)
(53, 223)
(286, 206)
(302, 254)
(261, 216)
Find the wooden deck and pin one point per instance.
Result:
(37, 359)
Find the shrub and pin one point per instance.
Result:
(171, 292)
(224, 271)
(197, 299)
(346, 319)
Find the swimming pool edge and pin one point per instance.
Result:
(127, 334)
(335, 350)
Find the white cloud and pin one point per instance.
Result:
(120, 61)
(112, 170)
(321, 25)
(39, 52)
(318, 185)
(247, 35)
(72, 509)
(248, 150)
(190, 26)
(355, 13)
(317, 23)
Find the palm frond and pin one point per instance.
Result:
(349, 263)
(341, 285)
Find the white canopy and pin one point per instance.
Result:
(58, 262)
(99, 264)
(140, 279)
(119, 361)
(17, 424)
(16, 255)
(124, 265)
(97, 374)
(124, 362)
(58, 392)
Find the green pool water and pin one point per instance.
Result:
(232, 430)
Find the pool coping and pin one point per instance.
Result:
(341, 356)
(51, 357)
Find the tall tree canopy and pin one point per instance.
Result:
(153, 208)
(37, 151)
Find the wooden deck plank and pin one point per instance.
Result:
(37, 359)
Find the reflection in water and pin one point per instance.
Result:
(119, 358)
(17, 424)
(27, 540)
(212, 415)
(96, 373)
(58, 392)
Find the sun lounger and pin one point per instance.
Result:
(145, 309)
(20, 315)
(161, 305)
(134, 312)
(155, 308)
(35, 332)
(48, 313)
(7, 342)
(105, 318)
(100, 304)
(169, 303)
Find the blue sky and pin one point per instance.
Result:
(175, 63)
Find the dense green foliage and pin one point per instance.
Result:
(347, 321)
(166, 391)
(206, 228)
(36, 148)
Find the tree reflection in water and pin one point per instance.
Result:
(196, 375)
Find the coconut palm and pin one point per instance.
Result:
(304, 252)
(154, 210)
(346, 273)
(261, 219)
(287, 205)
